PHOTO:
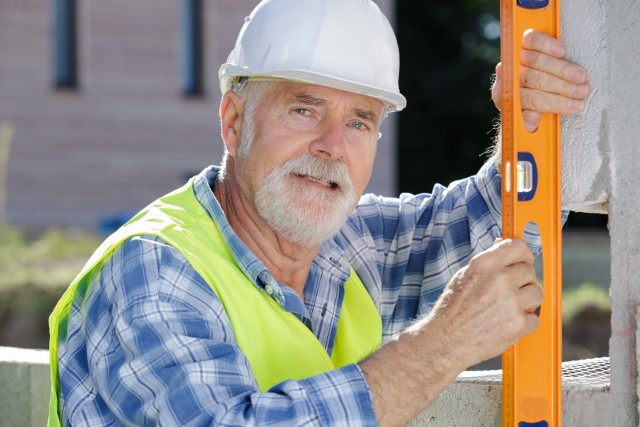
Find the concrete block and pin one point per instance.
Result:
(585, 143)
(623, 48)
(24, 387)
(475, 398)
(472, 401)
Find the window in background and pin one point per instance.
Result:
(192, 48)
(65, 64)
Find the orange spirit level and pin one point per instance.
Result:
(531, 193)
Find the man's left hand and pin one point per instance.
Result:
(548, 82)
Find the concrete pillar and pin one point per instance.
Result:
(622, 29)
(600, 155)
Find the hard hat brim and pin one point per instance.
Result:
(393, 101)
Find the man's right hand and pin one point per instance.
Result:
(486, 307)
(491, 303)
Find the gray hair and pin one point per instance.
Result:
(251, 93)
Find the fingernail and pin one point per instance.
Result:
(530, 126)
(583, 90)
(579, 75)
(558, 50)
(577, 105)
(530, 123)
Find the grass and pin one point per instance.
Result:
(34, 272)
(50, 260)
(576, 300)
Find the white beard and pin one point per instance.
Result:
(297, 212)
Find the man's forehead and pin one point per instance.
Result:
(317, 95)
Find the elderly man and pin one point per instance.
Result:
(269, 290)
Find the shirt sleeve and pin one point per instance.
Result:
(158, 348)
(406, 249)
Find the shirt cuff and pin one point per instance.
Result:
(342, 397)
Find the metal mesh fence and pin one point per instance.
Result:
(587, 373)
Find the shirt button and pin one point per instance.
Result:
(268, 289)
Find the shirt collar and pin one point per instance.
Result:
(330, 257)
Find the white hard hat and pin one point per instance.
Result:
(342, 44)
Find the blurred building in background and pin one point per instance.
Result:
(113, 103)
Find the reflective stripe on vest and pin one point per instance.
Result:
(277, 345)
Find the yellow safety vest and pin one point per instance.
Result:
(277, 345)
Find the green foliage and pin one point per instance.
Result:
(34, 272)
(586, 320)
(576, 300)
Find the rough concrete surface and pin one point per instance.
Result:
(600, 155)
(585, 150)
(623, 50)
(463, 405)
(24, 387)
(475, 398)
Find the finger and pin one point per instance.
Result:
(520, 276)
(531, 120)
(542, 42)
(535, 79)
(543, 102)
(558, 67)
(530, 301)
(531, 296)
(496, 87)
(496, 80)
(511, 251)
(531, 324)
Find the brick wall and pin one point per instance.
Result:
(126, 135)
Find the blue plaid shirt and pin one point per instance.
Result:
(150, 343)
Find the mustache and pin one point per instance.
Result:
(334, 171)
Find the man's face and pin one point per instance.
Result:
(310, 158)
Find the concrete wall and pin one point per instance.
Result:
(473, 400)
(601, 151)
(24, 387)
(622, 53)
(584, 144)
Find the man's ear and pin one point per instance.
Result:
(231, 119)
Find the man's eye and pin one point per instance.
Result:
(302, 111)
(360, 125)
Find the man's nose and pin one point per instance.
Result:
(330, 141)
